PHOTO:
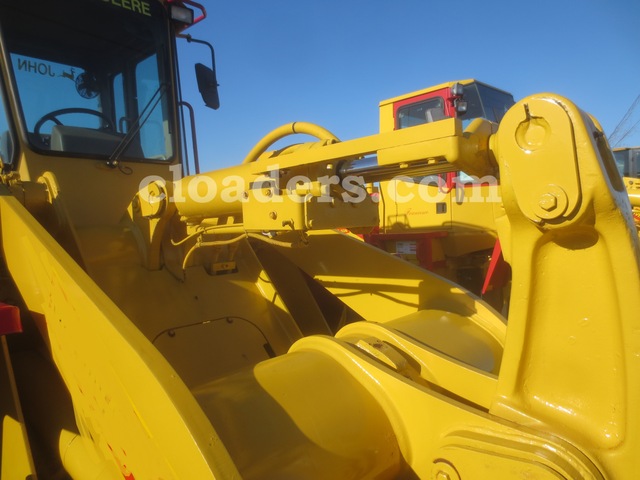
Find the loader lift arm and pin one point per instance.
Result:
(559, 225)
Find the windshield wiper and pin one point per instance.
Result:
(138, 124)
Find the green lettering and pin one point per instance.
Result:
(137, 6)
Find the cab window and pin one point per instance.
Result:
(429, 110)
(6, 132)
(92, 77)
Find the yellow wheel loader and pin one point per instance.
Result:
(230, 324)
(628, 163)
(445, 222)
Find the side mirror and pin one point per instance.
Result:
(207, 85)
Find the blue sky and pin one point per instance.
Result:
(331, 62)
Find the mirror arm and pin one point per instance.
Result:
(190, 39)
(211, 87)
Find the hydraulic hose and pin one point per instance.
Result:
(289, 129)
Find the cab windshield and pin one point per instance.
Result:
(484, 101)
(91, 76)
(628, 161)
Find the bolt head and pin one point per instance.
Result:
(548, 202)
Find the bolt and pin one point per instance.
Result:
(548, 202)
(273, 215)
(442, 476)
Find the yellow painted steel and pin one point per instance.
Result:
(16, 457)
(16, 460)
(194, 346)
(445, 224)
(127, 399)
(279, 133)
(567, 325)
(222, 326)
(633, 189)
(420, 379)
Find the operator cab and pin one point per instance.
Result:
(628, 161)
(90, 78)
(466, 100)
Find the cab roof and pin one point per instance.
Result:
(434, 88)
